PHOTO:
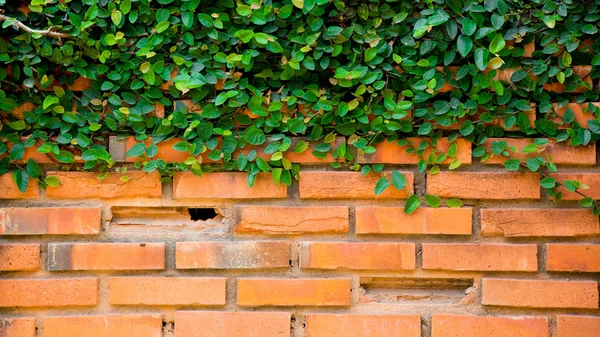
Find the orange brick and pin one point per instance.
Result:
(106, 256)
(448, 325)
(484, 185)
(17, 327)
(233, 255)
(573, 257)
(561, 153)
(18, 111)
(192, 291)
(292, 220)
(345, 325)
(578, 326)
(9, 190)
(392, 220)
(126, 325)
(19, 257)
(55, 292)
(49, 220)
(232, 324)
(479, 257)
(590, 179)
(540, 293)
(357, 255)
(349, 185)
(580, 112)
(583, 71)
(86, 185)
(392, 153)
(515, 222)
(256, 292)
(226, 185)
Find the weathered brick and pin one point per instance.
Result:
(540, 293)
(292, 220)
(49, 220)
(17, 327)
(448, 325)
(573, 257)
(560, 152)
(226, 185)
(193, 291)
(393, 220)
(86, 185)
(357, 255)
(392, 153)
(254, 292)
(581, 113)
(233, 255)
(351, 325)
(349, 185)
(516, 222)
(591, 179)
(125, 325)
(9, 190)
(578, 326)
(479, 257)
(19, 257)
(484, 185)
(106, 256)
(232, 324)
(55, 292)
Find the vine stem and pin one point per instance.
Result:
(52, 31)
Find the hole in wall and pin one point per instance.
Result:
(202, 214)
(172, 218)
(414, 290)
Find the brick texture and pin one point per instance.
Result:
(590, 179)
(349, 185)
(447, 325)
(19, 257)
(256, 292)
(226, 186)
(392, 220)
(392, 153)
(55, 292)
(49, 220)
(538, 222)
(233, 255)
(331, 325)
(484, 185)
(127, 325)
(578, 326)
(292, 220)
(9, 190)
(573, 257)
(561, 153)
(361, 256)
(86, 185)
(106, 256)
(17, 327)
(232, 324)
(479, 257)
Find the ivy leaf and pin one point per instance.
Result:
(412, 203)
(136, 150)
(33, 169)
(432, 200)
(21, 179)
(52, 181)
(548, 182)
(398, 180)
(481, 56)
(454, 203)
(512, 164)
(298, 3)
(381, 185)
(497, 44)
(464, 45)
(116, 17)
(370, 54)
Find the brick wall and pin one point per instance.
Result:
(322, 258)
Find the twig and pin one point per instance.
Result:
(52, 31)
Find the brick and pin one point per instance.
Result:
(573, 257)
(484, 185)
(49, 220)
(233, 255)
(292, 220)
(578, 326)
(125, 325)
(522, 222)
(357, 255)
(106, 256)
(86, 185)
(561, 153)
(392, 153)
(17, 327)
(226, 185)
(254, 292)
(55, 292)
(590, 179)
(232, 324)
(19, 257)
(393, 220)
(344, 325)
(9, 190)
(448, 325)
(479, 257)
(349, 185)
(540, 293)
(192, 291)
(581, 112)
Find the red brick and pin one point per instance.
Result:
(254, 292)
(479, 257)
(561, 153)
(351, 325)
(349, 185)
(292, 220)
(484, 185)
(192, 291)
(540, 293)
(393, 220)
(125, 325)
(226, 185)
(516, 222)
(19, 257)
(392, 153)
(233, 255)
(86, 185)
(578, 326)
(9, 190)
(357, 255)
(106, 256)
(448, 325)
(590, 179)
(573, 257)
(55, 292)
(17, 327)
(580, 111)
(49, 220)
(232, 324)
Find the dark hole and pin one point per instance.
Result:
(203, 214)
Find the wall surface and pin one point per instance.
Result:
(321, 258)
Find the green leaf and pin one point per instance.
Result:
(586, 202)
(370, 54)
(52, 181)
(548, 182)
(432, 200)
(33, 169)
(398, 180)
(497, 44)
(381, 185)
(512, 164)
(454, 203)
(116, 17)
(298, 3)
(21, 179)
(464, 45)
(412, 203)
(136, 150)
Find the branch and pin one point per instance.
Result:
(52, 31)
